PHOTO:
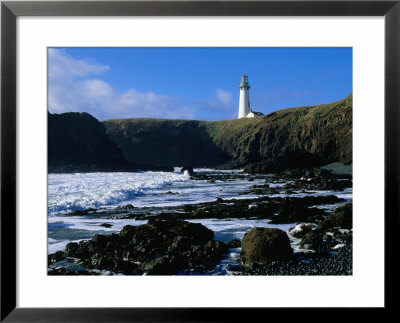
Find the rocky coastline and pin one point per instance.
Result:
(170, 243)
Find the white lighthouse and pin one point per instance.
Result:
(244, 100)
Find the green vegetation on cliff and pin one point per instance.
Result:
(305, 136)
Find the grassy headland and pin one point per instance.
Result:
(308, 136)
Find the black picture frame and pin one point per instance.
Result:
(10, 10)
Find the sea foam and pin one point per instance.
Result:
(68, 192)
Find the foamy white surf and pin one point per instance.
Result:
(69, 192)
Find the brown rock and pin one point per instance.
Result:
(262, 245)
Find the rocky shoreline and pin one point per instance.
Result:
(170, 244)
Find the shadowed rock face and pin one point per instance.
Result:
(78, 142)
(78, 139)
(166, 142)
(263, 245)
(299, 137)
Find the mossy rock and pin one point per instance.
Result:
(263, 245)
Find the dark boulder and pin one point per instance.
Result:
(341, 217)
(263, 245)
(57, 256)
(311, 240)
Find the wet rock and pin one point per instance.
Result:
(311, 240)
(57, 256)
(106, 225)
(301, 229)
(188, 169)
(317, 200)
(234, 243)
(289, 213)
(126, 207)
(252, 206)
(163, 246)
(292, 173)
(71, 249)
(262, 245)
(189, 207)
(315, 179)
(82, 212)
(162, 266)
(98, 242)
(341, 217)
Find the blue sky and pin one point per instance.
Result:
(193, 83)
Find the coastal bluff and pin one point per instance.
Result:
(295, 137)
(77, 142)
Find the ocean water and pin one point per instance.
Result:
(70, 192)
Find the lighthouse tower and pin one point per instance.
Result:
(244, 100)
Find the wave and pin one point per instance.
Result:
(70, 192)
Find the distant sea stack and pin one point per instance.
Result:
(77, 142)
(296, 137)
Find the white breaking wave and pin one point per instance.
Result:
(68, 192)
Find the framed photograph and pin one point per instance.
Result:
(195, 160)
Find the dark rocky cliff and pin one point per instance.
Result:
(77, 142)
(166, 142)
